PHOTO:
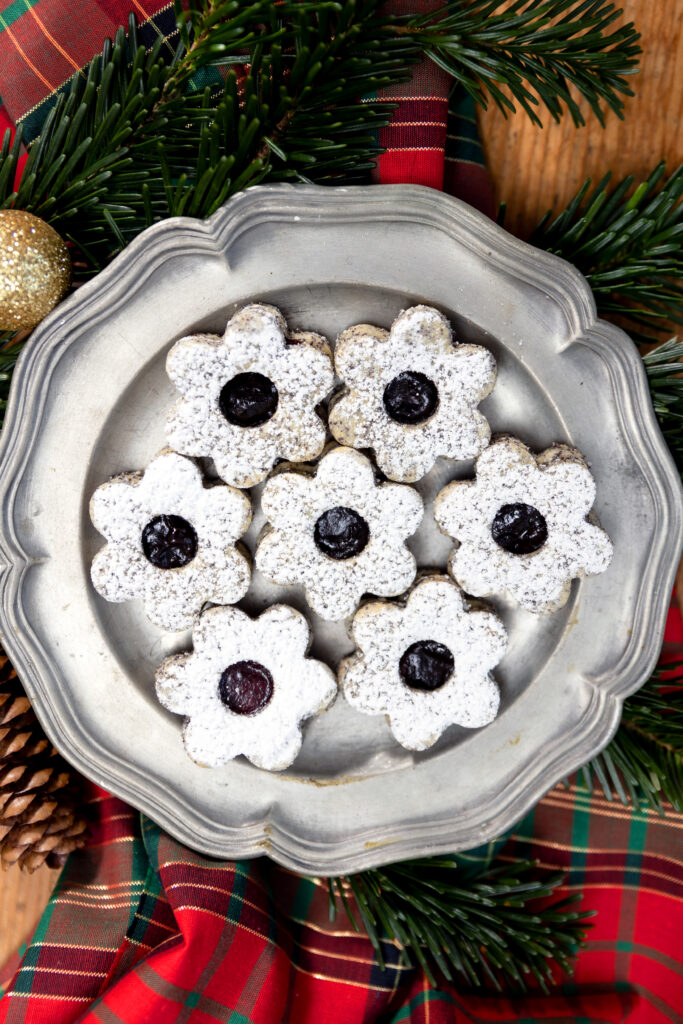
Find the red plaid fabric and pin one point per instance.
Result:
(141, 930)
(43, 42)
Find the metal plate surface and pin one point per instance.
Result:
(89, 399)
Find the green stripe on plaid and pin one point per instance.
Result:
(431, 995)
(184, 997)
(23, 983)
(580, 839)
(462, 135)
(14, 11)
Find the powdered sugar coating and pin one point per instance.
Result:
(368, 358)
(560, 486)
(383, 631)
(254, 341)
(287, 554)
(171, 485)
(188, 684)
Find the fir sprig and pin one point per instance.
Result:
(664, 367)
(626, 240)
(643, 765)
(134, 139)
(488, 928)
(496, 928)
(537, 51)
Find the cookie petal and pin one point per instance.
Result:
(276, 755)
(196, 365)
(223, 515)
(287, 629)
(118, 573)
(208, 740)
(570, 490)
(172, 599)
(116, 509)
(424, 326)
(399, 510)
(176, 687)
(171, 483)
(285, 497)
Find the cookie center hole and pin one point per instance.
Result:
(426, 665)
(245, 687)
(169, 542)
(341, 532)
(248, 400)
(519, 528)
(411, 397)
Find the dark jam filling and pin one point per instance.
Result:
(426, 665)
(248, 400)
(341, 532)
(246, 687)
(519, 528)
(411, 397)
(169, 542)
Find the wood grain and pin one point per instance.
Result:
(536, 169)
(533, 169)
(22, 899)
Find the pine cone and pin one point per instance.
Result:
(39, 818)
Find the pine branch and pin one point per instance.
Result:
(627, 243)
(643, 765)
(487, 929)
(491, 929)
(538, 51)
(135, 140)
(664, 366)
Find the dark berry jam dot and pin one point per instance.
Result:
(519, 528)
(169, 542)
(426, 665)
(248, 400)
(245, 687)
(341, 532)
(411, 397)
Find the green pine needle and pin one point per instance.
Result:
(488, 929)
(643, 765)
(497, 929)
(664, 366)
(626, 240)
(136, 138)
(538, 51)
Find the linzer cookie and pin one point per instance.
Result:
(521, 525)
(411, 393)
(171, 541)
(249, 397)
(246, 687)
(425, 664)
(338, 533)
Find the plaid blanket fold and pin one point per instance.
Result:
(141, 930)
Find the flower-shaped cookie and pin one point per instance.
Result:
(411, 394)
(522, 525)
(171, 541)
(246, 687)
(249, 397)
(338, 533)
(425, 664)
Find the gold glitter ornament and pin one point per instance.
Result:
(35, 270)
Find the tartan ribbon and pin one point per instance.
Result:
(140, 929)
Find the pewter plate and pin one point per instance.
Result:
(88, 400)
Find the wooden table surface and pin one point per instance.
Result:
(533, 170)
